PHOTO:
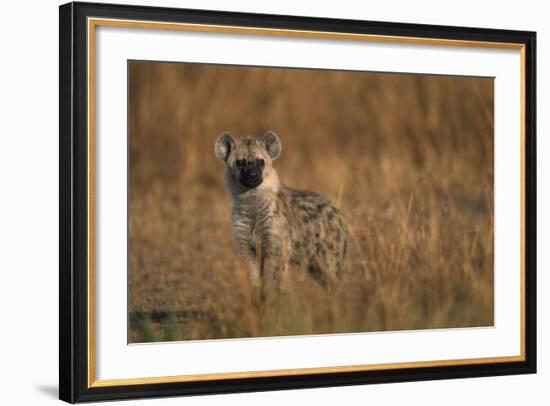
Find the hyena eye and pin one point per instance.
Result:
(260, 162)
(240, 162)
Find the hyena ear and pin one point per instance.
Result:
(272, 144)
(224, 145)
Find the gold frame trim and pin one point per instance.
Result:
(94, 22)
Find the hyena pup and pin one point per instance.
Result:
(276, 226)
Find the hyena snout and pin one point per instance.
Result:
(250, 171)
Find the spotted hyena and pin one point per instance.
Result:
(276, 226)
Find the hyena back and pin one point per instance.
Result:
(276, 226)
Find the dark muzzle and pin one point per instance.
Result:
(251, 175)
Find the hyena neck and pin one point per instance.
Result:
(254, 205)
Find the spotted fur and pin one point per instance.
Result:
(275, 226)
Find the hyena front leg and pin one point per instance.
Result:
(273, 266)
(243, 233)
(251, 261)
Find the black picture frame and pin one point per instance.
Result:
(73, 197)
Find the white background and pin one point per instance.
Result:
(29, 220)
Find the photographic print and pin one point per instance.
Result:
(273, 201)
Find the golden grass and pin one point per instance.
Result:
(408, 159)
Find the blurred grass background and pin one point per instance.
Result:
(407, 158)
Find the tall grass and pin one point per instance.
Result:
(408, 159)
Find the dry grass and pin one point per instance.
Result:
(408, 159)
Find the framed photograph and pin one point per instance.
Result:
(256, 202)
